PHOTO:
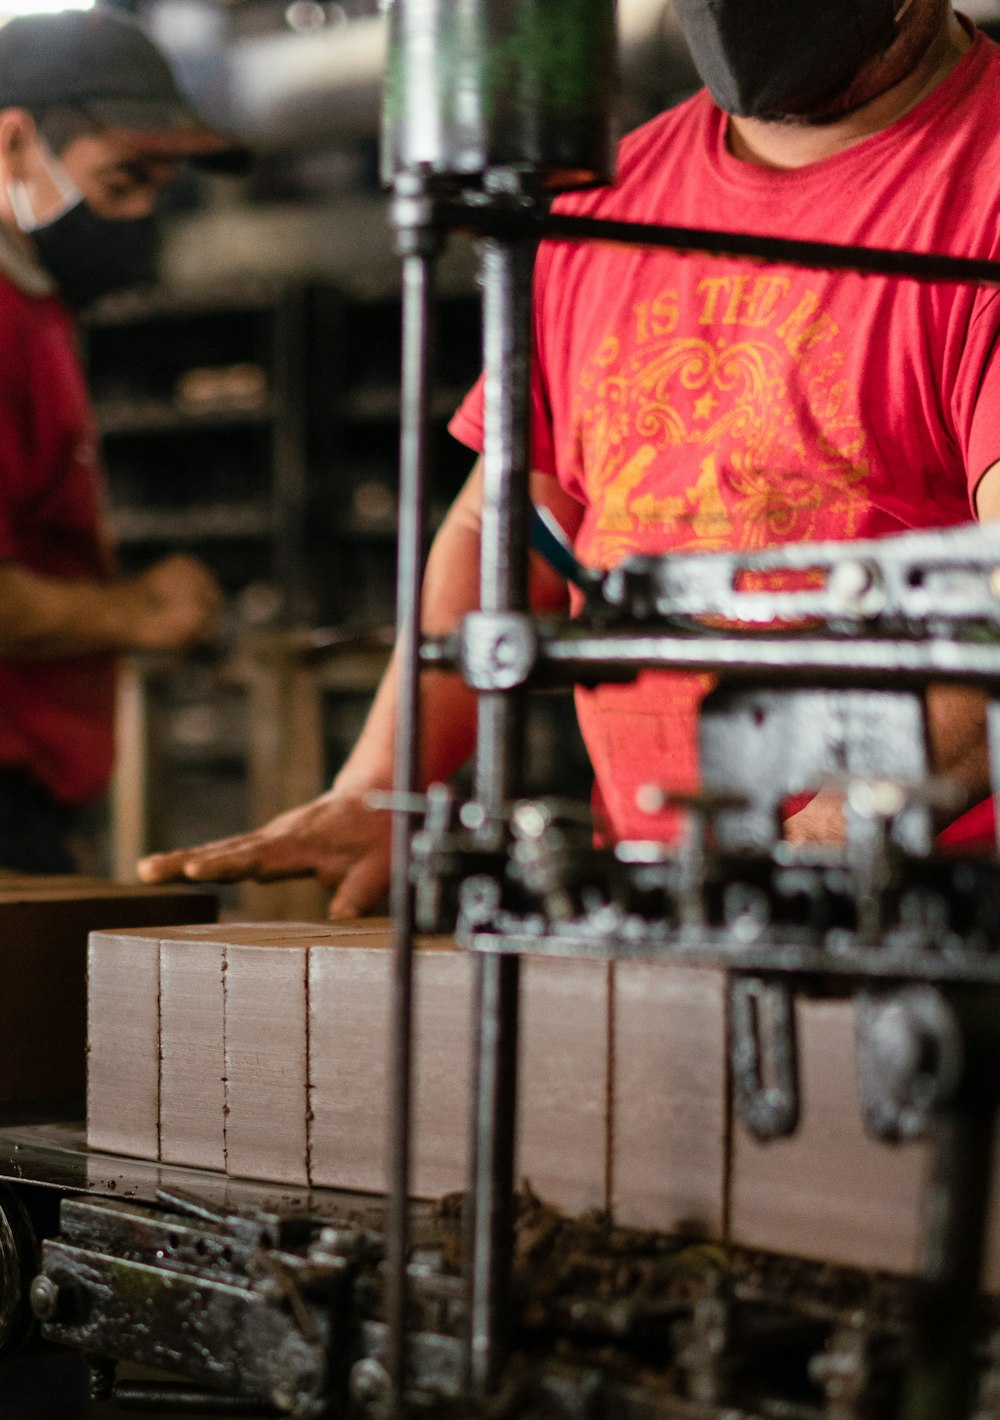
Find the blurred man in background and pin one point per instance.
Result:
(92, 128)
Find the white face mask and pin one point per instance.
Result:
(20, 202)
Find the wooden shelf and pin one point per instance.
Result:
(134, 307)
(163, 417)
(379, 404)
(207, 522)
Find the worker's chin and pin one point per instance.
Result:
(819, 114)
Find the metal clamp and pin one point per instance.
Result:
(497, 650)
(910, 1061)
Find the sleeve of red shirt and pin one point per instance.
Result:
(976, 393)
(15, 412)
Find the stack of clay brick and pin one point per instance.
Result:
(262, 1051)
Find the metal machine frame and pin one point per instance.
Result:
(285, 1305)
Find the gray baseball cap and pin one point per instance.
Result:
(103, 62)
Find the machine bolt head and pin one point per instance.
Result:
(369, 1380)
(49, 1301)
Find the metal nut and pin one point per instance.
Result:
(49, 1301)
(369, 1380)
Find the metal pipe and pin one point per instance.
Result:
(507, 272)
(418, 300)
(942, 1383)
(510, 222)
(325, 86)
(184, 1400)
(581, 657)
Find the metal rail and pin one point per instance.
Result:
(418, 290)
(477, 216)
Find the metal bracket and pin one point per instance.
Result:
(764, 1056)
(497, 650)
(910, 1061)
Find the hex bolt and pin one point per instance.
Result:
(51, 1301)
(850, 582)
(369, 1380)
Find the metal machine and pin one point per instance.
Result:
(316, 1304)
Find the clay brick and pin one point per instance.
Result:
(192, 1031)
(829, 1192)
(265, 1055)
(349, 999)
(563, 1073)
(123, 1071)
(192, 1052)
(669, 1151)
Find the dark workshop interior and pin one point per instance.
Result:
(499, 709)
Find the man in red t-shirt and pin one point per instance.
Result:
(681, 403)
(91, 129)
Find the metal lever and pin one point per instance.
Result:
(874, 807)
(764, 1056)
(697, 850)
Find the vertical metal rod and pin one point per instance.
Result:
(942, 1384)
(507, 269)
(993, 740)
(419, 269)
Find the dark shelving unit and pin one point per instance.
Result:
(200, 401)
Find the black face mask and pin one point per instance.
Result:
(776, 58)
(90, 256)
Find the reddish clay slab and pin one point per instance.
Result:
(349, 997)
(669, 1154)
(192, 1052)
(266, 1049)
(563, 1072)
(123, 1033)
(829, 1192)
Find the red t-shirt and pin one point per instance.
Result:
(56, 716)
(690, 404)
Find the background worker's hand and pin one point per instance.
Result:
(336, 837)
(173, 605)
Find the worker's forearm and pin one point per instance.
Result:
(448, 708)
(43, 616)
(451, 590)
(956, 718)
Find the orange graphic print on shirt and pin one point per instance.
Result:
(727, 427)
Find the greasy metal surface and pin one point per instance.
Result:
(868, 909)
(252, 1305)
(763, 745)
(176, 1400)
(472, 215)
(499, 765)
(574, 655)
(909, 1060)
(55, 1156)
(419, 271)
(520, 85)
(914, 584)
(18, 1247)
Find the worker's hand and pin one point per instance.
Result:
(172, 606)
(819, 821)
(337, 837)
